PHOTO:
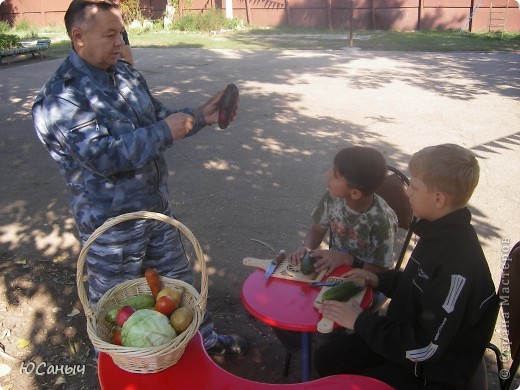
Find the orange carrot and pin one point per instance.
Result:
(153, 280)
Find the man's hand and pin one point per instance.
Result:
(180, 124)
(344, 314)
(210, 109)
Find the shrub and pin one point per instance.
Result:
(186, 23)
(24, 29)
(22, 25)
(131, 10)
(8, 41)
(234, 24)
(4, 27)
(211, 20)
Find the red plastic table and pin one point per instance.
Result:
(196, 370)
(288, 304)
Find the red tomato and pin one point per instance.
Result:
(166, 305)
(117, 338)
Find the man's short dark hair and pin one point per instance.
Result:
(364, 168)
(76, 12)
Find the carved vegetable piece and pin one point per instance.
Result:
(227, 106)
(307, 264)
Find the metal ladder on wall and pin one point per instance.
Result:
(497, 17)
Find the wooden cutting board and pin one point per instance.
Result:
(325, 325)
(285, 270)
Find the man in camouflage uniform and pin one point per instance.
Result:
(108, 134)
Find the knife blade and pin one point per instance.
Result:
(321, 284)
(280, 256)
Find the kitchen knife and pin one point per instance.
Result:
(274, 263)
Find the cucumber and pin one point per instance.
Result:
(342, 292)
(138, 302)
(307, 264)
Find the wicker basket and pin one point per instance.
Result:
(150, 359)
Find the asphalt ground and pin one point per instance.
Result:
(261, 177)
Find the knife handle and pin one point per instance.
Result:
(280, 256)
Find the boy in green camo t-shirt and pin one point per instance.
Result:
(362, 224)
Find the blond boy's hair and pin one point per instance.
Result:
(448, 168)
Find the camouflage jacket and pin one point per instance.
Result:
(107, 133)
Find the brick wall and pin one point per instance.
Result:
(403, 15)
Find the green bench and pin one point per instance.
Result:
(35, 49)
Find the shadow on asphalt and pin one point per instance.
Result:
(258, 179)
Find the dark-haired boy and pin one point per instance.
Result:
(361, 223)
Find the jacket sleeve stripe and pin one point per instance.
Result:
(457, 283)
(486, 300)
(421, 354)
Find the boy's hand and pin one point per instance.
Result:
(344, 314)
(329, 260)
(371, 278)
(296, 257)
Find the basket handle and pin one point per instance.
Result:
(127, 217)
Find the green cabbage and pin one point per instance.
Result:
(147, 328)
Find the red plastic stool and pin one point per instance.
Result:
(196, 370)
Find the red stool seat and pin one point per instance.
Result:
(196, 370)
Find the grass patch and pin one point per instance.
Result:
(58, 49)
(236, 40)
(315, 39)
(440, 41)
(212, 30)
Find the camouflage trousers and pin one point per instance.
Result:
(125, 251)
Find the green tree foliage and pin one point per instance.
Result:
(131, 10)
(4, 27)
(8, 41)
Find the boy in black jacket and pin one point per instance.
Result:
(443, 304)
